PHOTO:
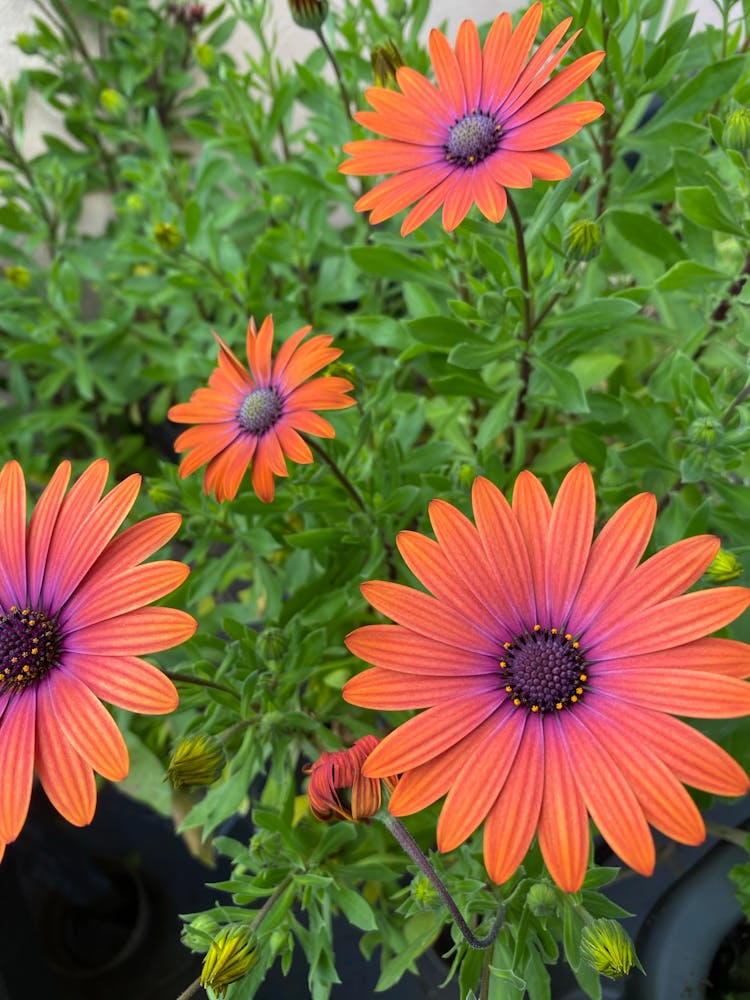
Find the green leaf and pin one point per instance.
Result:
(145, 780)
(595, 314)
(442, 331)
(702, 207)
(565, 386)
(191, 219)
(389, 263)
(642, 231)
(477, 355)
(355, 908)
(698, 94)
(687, 274)
(552, 202)
(395, 967)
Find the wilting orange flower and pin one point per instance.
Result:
(341, 771)
(73, 625)
(254, 416)
(486, 126)
(551, 669)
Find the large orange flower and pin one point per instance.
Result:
(551, 669)
(254, 416)
(73, 625)
(486, 127)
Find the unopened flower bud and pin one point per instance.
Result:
(466, 476)
(424, 893)
(724, 568)
(385, 59)
(113, 101)
(231, 956)
(606, 947)
(134, 203)
(18, 276)
(272, 646)
(737, 130)
(119, 16)
(198, 760)
(167, 235)
(339, 789)
(541, 899)
(309, 13)
(205, 54)
(583, 240)
(200, 932)
(28, 44)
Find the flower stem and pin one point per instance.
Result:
(200, 681)
(336, 69)
(484, 987)
(732, 834)
(414, 851)
(528, 329)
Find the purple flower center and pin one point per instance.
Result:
(29, 648)
(544, 670)
(472, 139)
(260, 410)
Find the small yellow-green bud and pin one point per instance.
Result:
(541, 899)
(28, 44)
(704, 431)
(737, 130)
(167, 235)
(205, 54)
(724, 568)
(119, 16)
(309, 13)
(466, 476)
(272, 646)
(18, 276)
(606, 947)
(424, 893)
(113, 101)
(143, 270)
(134, 203)
(583, 240)
(385, 59)
(200, 932)
(233, 953)
(198, 760)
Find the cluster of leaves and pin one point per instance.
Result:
(217, 196)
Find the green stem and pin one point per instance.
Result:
(736, 402)
(412, 848)
(524, 369)
(334, 63)
(484, 988)
(732, 834)
(218, 277)
(199, 681)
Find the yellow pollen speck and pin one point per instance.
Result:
(553, 631)
(537, 628)
(26, 668)
(576, 645)
(568, 636)
(516, 702)
(32, 621)
(574, 697)
(13, 607)
(34, 650)
(583, 677)
(534, 708)
(579, 690)
(503, 664)
(508, 688)
(559, 705)
(472, 158)
(506, 645)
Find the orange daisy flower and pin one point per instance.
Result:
(73, 625)
(486, 126)
(254, 416)
(341, 771)
(551, 669)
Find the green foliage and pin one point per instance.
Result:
(218, 197)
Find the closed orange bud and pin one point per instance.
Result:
(339, 789)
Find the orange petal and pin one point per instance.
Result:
(516, 54)
(428, 205)
(12, 536)
(41, 527)
(469, 56)
(457, 202)
(292, 444)
(310, 423)
(563, 822)
(422, 94)
(490, 197)
(325, 393)
(88, 725)
(428, 734)
(17, 726)
(614, 554)
(448, 72)
(132, 546)
(692, 693)
(571, 529)
(392, 690)
(533, 510)
(551, 127)
(719, 656)
(538, 69)
(493, 57)
(126, 681)
(566, 81)
(66, 778)
(426, 616)
(479, 783)
(226, 470)
(409, 127)
(397, 648)
(123, 592)
(542, 163)
(395, 193)
(146, 630)
(287, 349)
(609, 798)
(259, 350)
(512, 820)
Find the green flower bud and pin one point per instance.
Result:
(272, 646)
(28, 44)
(737, 130)
(583, 240)
(385, 60)
(205, 55)
(231, 956)
(167, 235)
(113, 101)
(541, 899)
(606, 947)
(724, 568)
(466, 476)
(424, 893)
(200, 932)
(135, 204)
(18, 276)
(704, 431)
(198, 760)
(309, 13)
(119, 16)
(143, 270)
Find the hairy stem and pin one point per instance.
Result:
(199, 681)
(336, 69)
(732, 834)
